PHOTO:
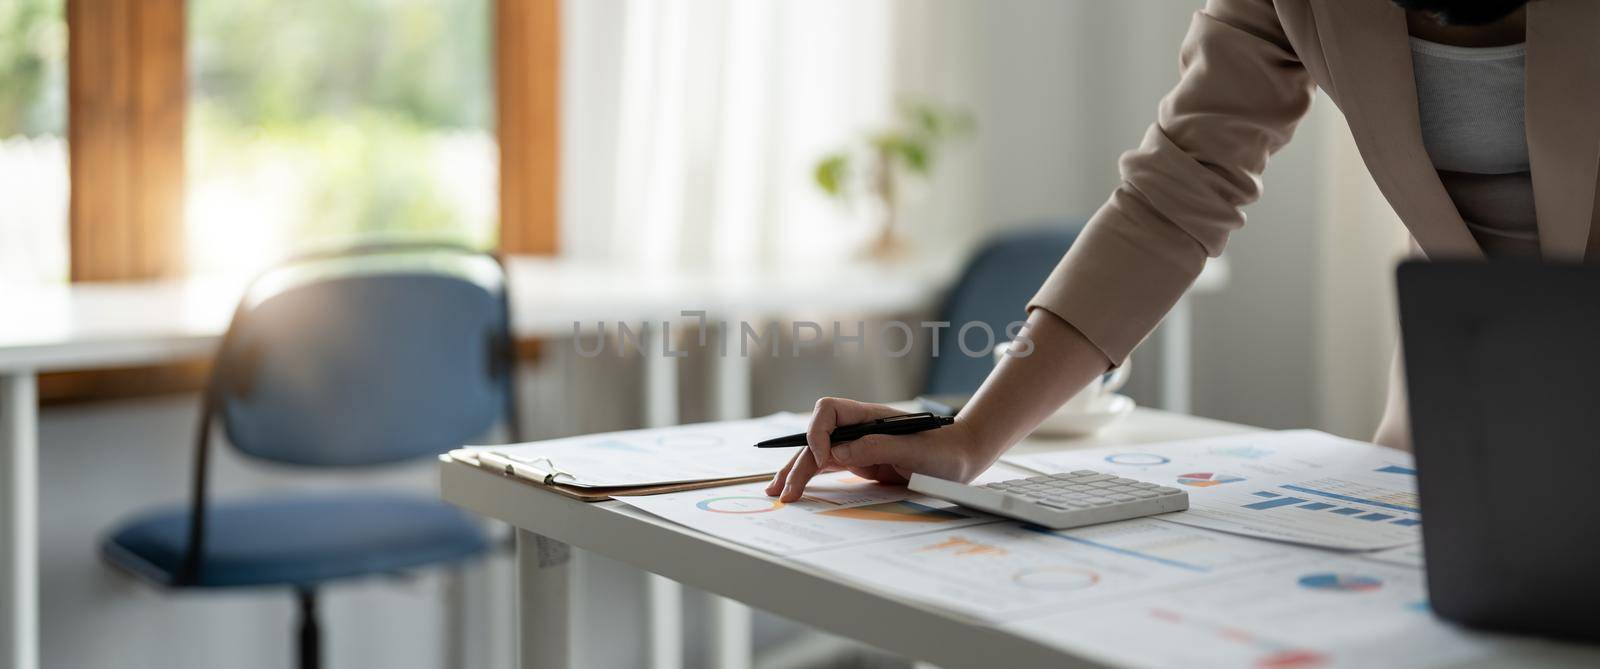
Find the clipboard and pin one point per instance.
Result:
(549, 479)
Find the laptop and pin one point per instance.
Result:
(1503, 368)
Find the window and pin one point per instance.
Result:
(33, 145)
(313, 123)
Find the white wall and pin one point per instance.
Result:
(1065, 86)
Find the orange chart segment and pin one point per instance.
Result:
(897, 512)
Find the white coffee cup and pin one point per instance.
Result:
(1095, 397)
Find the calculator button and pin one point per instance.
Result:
(1065, 500)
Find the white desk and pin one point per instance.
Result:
(549, 526)
(83, 326)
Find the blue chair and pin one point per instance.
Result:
(370, 356)
(994, 288)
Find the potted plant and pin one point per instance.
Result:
(875, 168)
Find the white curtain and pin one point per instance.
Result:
(692, 126)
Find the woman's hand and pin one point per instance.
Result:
(1020, 393)
(949, 452)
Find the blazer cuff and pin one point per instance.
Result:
(1121, 277)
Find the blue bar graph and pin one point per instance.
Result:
(1348, 498)
(1396, 469)
(1274, 503)
(1316, 506)
(1375, 517)
(1263, 493)
(1347, 511)
(1408, 522)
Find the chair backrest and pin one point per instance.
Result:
(376, 356)
(994, 288)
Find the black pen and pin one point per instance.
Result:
(904, 424)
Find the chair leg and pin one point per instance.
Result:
(310, 633)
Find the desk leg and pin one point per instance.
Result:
(453, 604)
(731, 644)
(19, 517)
(663, 597)
(1177, 358)
(544, 603)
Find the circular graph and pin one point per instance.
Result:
(738, 505)
(1137, 459)
(1207, 479)
(1056, 579)
(1340, 582)
(689, 440)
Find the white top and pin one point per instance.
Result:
(1471, 106)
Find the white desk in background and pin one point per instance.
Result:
(118, 324)
(552, 529)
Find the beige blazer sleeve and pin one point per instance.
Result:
(1242, 91)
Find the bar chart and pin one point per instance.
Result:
(1363, 509)
(1344, 498)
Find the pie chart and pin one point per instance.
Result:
(1139, 459)
(1340, 582)
(739, 504)
(1055, 578)
(1207, 479)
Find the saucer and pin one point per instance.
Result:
(1084, 423)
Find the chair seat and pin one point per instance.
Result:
(299, 540)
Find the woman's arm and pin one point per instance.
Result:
(1016, 397)
(1241, 92)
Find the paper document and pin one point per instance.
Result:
(1299, 486)
(1007, 571)
(696, 452)
(1201, 466)
(1331, 612)
(838, 509)
(1356, 509)
(1408, 556)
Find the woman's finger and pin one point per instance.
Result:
(776, 485)
(831, 412)
(799, 476)
(879, 473)
(906, 453)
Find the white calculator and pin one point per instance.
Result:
(1060, 501)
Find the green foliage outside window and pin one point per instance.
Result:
(340, 120)
(33, 47)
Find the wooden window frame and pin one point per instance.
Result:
(527, 54)
(127, 93)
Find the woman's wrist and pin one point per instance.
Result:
(1022, 391)
(984, 446)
